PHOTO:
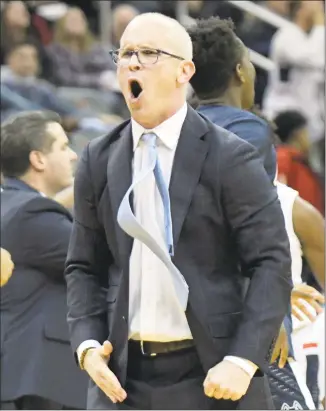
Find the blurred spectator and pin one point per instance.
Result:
(121, 17)
(257, 35)
(208, 8)
(144, 6)
(292, 155)
(16, 28)
(37, 163)
(297, 82)
(21, 89)
(78, 59)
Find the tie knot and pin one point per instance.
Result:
(149, 139)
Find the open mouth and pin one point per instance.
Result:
(135, 88)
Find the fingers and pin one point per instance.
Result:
(217, 391)
(226, 394)
(308, 307)
(209, 387)
(297, 313)
(284, 355)
(319, 297)
(110, 385)
(305, 291)
(96, 365)
(106, 349)
(315, 305)
(235, 397)
(276, 353)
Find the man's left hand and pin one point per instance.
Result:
(226, 381)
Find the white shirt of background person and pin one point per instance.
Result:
(304, 90)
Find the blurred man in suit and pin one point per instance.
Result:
(37, 371)
(168, 349)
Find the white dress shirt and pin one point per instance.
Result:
(305, 89)
(154, 312)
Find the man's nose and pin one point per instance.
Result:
(73, 155)
(134, 63)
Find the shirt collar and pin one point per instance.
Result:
(168, 131)
(17, 184)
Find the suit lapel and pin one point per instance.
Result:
(119, 177)
(188, 161)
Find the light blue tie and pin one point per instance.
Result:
(150, 140)
(131, 226)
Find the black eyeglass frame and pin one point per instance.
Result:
(159, 52)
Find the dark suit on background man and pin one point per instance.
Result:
(35, 352)
(224, 213)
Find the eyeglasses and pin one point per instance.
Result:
(145, 56)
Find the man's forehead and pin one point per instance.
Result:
(145, 35)
(57, 132)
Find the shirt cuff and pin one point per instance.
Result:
(85, 345)
(247, 366)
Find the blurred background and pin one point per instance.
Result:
(54, 55)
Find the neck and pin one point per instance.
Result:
(160, 118)
(227, 99)
(38, 184)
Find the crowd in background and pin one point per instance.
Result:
(53, 59)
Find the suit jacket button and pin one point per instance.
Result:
(124, 318)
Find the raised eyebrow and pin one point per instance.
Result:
(138, 46)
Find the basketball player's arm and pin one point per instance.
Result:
(309, 226)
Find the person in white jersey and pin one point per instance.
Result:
(298, 52)
(305, 228)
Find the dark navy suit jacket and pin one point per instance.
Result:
(35, 346)
(257, 132)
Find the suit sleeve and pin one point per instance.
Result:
(259, 135)
(47, 229)
(254, 214)
(87, 264)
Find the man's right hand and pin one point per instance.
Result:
(96, 365)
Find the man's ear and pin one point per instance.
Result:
(186, 70)
(239, 73)
(37, 160)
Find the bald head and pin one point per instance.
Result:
(170, 32)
